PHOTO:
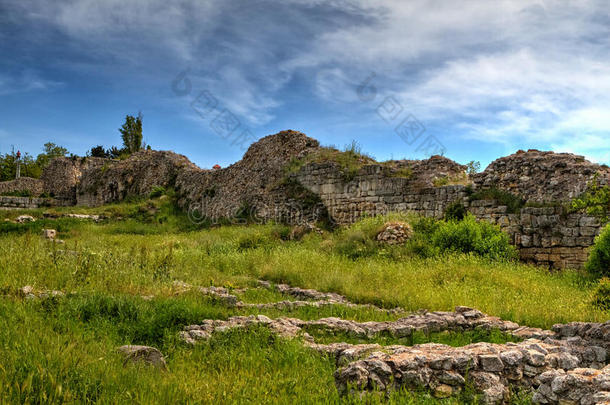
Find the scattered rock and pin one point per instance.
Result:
(297, 232)
(145, 354)
(28, 292)
(49, 233)
(492, 368)
(95, 218)
(22, 219)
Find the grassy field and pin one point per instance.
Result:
(63, 349)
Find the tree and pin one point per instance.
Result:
(473, 167)
(131, 132)
(99, 151)
(116, 153)
(51, 151)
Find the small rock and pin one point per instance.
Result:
(490, 362)
(443, 391)
(145, 354)
(49, 233)
(22, 219)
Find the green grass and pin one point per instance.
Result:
(63, 349)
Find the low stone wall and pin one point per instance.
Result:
(34, 186)
(26, 202)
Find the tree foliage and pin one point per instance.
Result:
(131, 132)
(30, 166)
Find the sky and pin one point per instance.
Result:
(472, 80)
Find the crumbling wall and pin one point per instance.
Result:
(542, 176)
(62, 175)
(259, 188)
(255, 183)
(34, 186)
(380, 188)
(116, 180)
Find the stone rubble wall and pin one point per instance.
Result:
(254, 183)
(116, 180)
(542, 176)
(34, 186)
(63, 175)
(550, 363)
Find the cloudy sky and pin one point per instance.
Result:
(473, 79)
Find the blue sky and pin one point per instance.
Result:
(474, 79)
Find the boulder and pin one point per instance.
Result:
(145, 354)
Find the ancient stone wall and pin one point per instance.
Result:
(7, 202)
(116, 180)
(260, 188)
(255, 183)
(542, 176)
(544, 235)
(63, 174)
(34, 186)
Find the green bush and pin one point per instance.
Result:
(598, 263)
(472, 236)
(431, 237)
(601, 296)
(455, 212)
(594, 201)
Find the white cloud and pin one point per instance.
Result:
(505, 71)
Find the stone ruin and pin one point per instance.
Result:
(566, 365)
(260, 187)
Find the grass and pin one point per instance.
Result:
(64, 349)
(350, 160)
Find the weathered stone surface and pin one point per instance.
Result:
(34, 186)
(542, 176)
(145, 354)
(492, 368)
(583, 386)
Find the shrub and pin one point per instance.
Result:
(455, 212)
(598, 263)
(594, 201)
(472, 236)
(431, 238)
(601, 296)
